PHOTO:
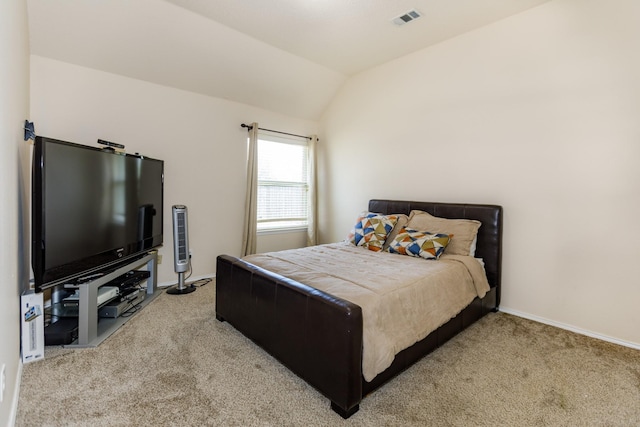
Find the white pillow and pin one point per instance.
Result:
(462, 231)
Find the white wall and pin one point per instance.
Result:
(198, 137)
(161, 42)
(269, 241)
(539, 113)
(14, 109)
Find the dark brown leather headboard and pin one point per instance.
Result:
(489, 246)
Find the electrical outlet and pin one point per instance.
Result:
(3, 381)
(159, 259)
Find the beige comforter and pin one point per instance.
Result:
(402, 298)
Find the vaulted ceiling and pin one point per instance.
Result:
(288, 56)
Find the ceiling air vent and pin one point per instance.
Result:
(407, 17)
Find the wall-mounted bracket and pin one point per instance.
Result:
(29, 130)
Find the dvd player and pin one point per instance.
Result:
(105, 293)
(121, 305)
(132, 278)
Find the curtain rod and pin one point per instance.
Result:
(249, 127)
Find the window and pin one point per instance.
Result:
(283, 183)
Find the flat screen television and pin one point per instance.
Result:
(92, 209)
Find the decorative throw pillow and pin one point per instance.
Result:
(402, 221)
(371, 230)
(464, 230)
(419, 243)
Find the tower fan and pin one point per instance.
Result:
(181, 258)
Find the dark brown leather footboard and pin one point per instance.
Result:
(319, 336)
(316, 335)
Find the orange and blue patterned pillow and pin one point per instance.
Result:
(419, 243)
(371, 230)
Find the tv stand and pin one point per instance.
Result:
(91, 332)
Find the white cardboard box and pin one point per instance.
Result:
(32, 315)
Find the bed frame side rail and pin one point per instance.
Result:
(314, 334)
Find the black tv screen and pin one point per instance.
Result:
(92, 209)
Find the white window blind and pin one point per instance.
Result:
(283, 184)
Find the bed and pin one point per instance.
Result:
(320, 337)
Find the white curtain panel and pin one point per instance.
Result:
(312, 228)
(251, 201)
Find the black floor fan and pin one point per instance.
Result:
(181, 256)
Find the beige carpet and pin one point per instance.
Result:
(174, 364)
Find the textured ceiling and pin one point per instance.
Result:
(287, 56)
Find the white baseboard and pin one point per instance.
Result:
(16, 394)
(570, 328)
(191, 279)
(507, 310)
